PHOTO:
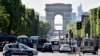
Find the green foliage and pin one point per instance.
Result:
(13, 8)
(4, 19)
(32, 22)
(44, 28)
(94, 21)
(86, 26)
(98, 21)
(16, 19)
(72, 26)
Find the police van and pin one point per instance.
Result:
(89, 46)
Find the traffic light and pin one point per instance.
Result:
(71, 33)
(79, 25)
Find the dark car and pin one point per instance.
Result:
(47, 47)
(18, 49)
(4, 39)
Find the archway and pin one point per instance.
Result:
(56, 11)
(58, 22)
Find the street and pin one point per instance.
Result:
(59, 54)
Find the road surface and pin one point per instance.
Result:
(59, 54)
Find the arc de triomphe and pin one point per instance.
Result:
(58, 8)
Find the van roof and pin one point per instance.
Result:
(23, 36)
(88, 39)
(33, 37)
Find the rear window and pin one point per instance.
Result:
(55, 43)
(10, 46)
(13, 46)
(91, 43)
(86, 43)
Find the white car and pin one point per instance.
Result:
(18, 49)
(65, 48)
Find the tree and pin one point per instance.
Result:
(30, 17)
(14, 8)
(36, 24)
(16, 19)
(95, 21)
(4, 19)
(44, 28)
(98, 21)
(93, 14)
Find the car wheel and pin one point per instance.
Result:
(60, 51)
(83, 52)
(52, 51)
(30, 54)
(43, 51)
(95, 52)
(8, 54)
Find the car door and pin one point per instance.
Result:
(91, 45)
(23, 49)
(15, 50)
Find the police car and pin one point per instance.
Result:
(18, 49)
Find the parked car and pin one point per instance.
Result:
(18, 49)
(89, 46)
(5, 39)
(47, 47)
(65, 48)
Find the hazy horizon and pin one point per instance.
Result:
(39, 5)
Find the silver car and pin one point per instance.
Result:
(65, 48)
(18, 49)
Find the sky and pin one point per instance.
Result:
(39, 5)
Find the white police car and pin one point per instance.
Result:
(18, 49)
